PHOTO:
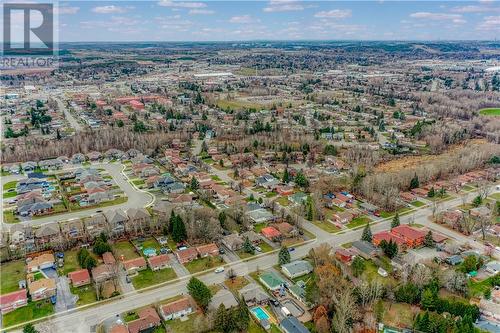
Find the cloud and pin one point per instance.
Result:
(110, 9)
(335, 13)
(283, 6)
(116, 24)
(490, 23)
(62, 10)
(475, 9)
(243, 19)
(201, 12)
(181, 4)
(455, 18)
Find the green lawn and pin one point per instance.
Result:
(238, 283)
(259, 226)
(125, 249)
(34, 310)
(86, 294)
(148, 278)
(477, 289)
(9, 185)
(138, 182)
(9, 217)
(358, 221)
(11, 194)
(202, 264)
(263, 246)
(417, 203)
(253, 327)
(326, 226)
(495, 196)
(283, 201)
(70, 263)
(271, 194)
(490, 112)
(11, 272)
(187, 326)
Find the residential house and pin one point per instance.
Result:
(292, 325)
(13, 300)
(96, 224)
(132, 266)
(233, 242)
(79, 278)
(253, 294)
(286, 229)
(147, 321)
(364, 249)
(116, 219)
(73, 230)
(102, 273)
(159, 262)
(344, 255)
(48, 234)
(208, 250)
(42, 289)
(108, 258)
(186, 255)
(271, 233)
(224, 297)
(176, 309)
(40, 262)
(297, 268)
(413, 237)
(271, 280)
(138, 220)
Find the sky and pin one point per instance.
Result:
(167, 20)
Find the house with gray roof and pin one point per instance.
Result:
(297, 268)
(292, 325)
(116, 219)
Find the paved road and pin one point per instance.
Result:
(136, 197)
(69, 117)
(85, 319)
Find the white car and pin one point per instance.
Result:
(382, 272)
(219, 270)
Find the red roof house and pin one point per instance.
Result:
(132, 266)
(186, 255)
(270, 233)
(13, 300)
(413, 237)
(159, 262)
(208, 250)
(79, 278)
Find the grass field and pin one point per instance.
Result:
(202, 264)
(283, 201)
(490, 112)
(259, 226)
(358, 221)
(9, 185)
(125, 249)
(86, 294)
(236, 105)
(9, 217)
(187, 326)
(34, 310)
(10, 274)
(326, 226)
(148, 278)
(417, 203)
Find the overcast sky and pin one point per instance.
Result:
(167, 20)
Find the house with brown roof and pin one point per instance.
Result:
(96, 224)
(233, 242)
(102, 273)
(108, 258)
(176, 309)
(73, 230)
(186, 255)
(207, 250)
(159, 262)
(42, 289)
(79, 278)
(138, 220)
(45, 260)
(286, 229)
(135, 265)
(148, 319)
(48, 234)
(13, 300)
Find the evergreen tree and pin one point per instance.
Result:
(200, 293)
(477, 201)
(248, 247)
(221, 318)
(171, 222)
(284, 256)
(194, 184)
(179, 230)
(301, 180)
(367, 233)
(395, 221)
(29, 328)
(428, 240)
(431, 193)
(222, 219)
(358, 266)
(286, 176)
(428, 300)
(414, 183)
(242, 316)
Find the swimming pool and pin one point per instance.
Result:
(149, 252)
(260, 313)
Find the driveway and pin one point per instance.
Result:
(122, 281)
(65, 299)
(179, 269)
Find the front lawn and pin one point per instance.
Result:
(185, 326)
(34, 310)
(86, 294)
(358, 221)
(148, 278)
(490, 112)
(9, 217)
(9, 185)
(125, 249)
(259, 226)
(11, 194)
(10, 273)
(202, 264)
(326, 226)
(417, 203)
(238, 283)
(283, 201)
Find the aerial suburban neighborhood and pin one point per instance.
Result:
(302, 182)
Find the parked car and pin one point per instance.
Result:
(291, 249)
(219, 270)
(127, 278)
(382, 272)
(221, 250)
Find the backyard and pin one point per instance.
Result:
(202, 264)
(86, 294)
(11, 273)
(125, 249)
(148, 278)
